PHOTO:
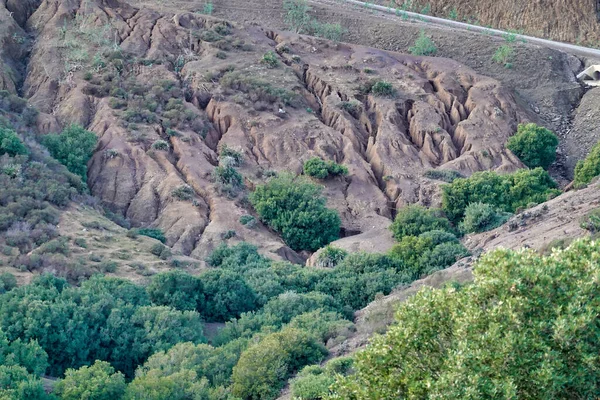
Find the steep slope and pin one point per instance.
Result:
(136, 76)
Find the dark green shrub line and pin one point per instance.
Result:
(320, 169)
(504, 192)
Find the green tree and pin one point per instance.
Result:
(413, 220)
(227, 295)
(177, 289)
(17, 384)
(534, 145)
(526, 328)
(294, 207)
(73, 147)
(154, 385)
(263, 368)
(96, 382)
(589, 168)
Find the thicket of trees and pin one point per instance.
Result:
(527, 328)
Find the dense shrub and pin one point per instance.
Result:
(183, 192)
(73, 147)
(313, 382)
(295, 208)
(414, 219)
(263, 368)
(330, 256)
(427, 253)
(10, 143)
(17, 384)
(534, 145)
(320, 169)
(7, 282)
(228, 180)
(446, 175)
(505, 192)
(154, 233)
(481, 217)
(457, 344)
(177, 289)
(98, 381)
(228, 295)
(131, 329)
(589, 168)
(590, 222)
(383, 89)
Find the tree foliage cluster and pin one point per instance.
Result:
(588, 169)
(73, 147)
(534, 145)
(504, 192)
(527, 328)
(295, 207)
(427, 241)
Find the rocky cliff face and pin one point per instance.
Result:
(137, 77)
(575, 21)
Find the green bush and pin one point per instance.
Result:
(248, 220)
(160, 145)
(459, 344)
(183, 193)
(73, 147)
(10, 143)
(177, 289)
(320, 169)
(98, 381)
(263, 368)
(413, 220)
(227, 295)
(481, 217)
(446, 175)
(17, 384)
(534, 145)
(383, 89)
(330, 256)
(311, 384)
(423, 46)
(7, 282)
(228, 180)
(236, 156)
(505, 192)
(295, 208)
(591, 221)
(589, 168)
(270, 59)
(504, 55)
(154, 233)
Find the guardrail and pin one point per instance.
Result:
(566, 47)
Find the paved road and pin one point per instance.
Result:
(567, 48)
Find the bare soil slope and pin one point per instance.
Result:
(136, 77)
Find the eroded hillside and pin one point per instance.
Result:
(137, 77)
